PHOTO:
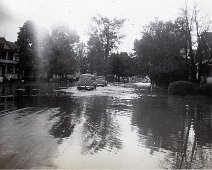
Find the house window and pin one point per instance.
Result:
(210, 73)
(16, 57)
(2, 55)
(1, 45)
(17, 69)
(10, 69)
(3, 69)
(10, 55)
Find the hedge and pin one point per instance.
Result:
(183, 88)
(206, 89)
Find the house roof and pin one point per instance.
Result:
(12, 45)
(207, 61)
(208, 38)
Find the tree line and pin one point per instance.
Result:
(166, 51)
(169, 51)
(60, 52)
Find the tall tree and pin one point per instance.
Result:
(82, 59)
(159, 52)
(96, 56)
(192, 24)
(27, 41)
(44, 51)
(104, 37)
(63, 58)
(122, 65)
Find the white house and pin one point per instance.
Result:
(9, 62)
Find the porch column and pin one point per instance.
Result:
(5, 69)
(197, 73)
(0, 70)
(211, 116)
(13, 69)
(7, 55)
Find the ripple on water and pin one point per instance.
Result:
(120, 92)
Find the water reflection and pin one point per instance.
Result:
(180, 125)
(118, 127)
(66, 118)
(100, 131)
(197, 134)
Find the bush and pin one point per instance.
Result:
(206, 89)
(40, 88)
(183, 88)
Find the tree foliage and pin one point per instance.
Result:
(167, 50)
(27, 41)
(63, 58)
(42, 52)
(82, 58)
(104, 37)
(192, 24)
(122, 65)
(27, 35)
(160, 52)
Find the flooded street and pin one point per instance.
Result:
(117, 126)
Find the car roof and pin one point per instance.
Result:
(90, 75)
(100, 76)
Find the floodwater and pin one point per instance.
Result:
(119, 126)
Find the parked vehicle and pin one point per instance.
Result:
(100, 81)
(146, 80)
(86, 82)
(124, 79)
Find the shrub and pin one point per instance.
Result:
(206, 89)
(39, 88)
(183, 88)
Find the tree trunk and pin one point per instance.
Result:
(191, 55)
(107, 50)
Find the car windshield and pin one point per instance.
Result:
(87, 77)
(100, 79)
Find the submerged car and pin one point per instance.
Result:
(100, 81)
(86, 82)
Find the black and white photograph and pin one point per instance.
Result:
(105, 84)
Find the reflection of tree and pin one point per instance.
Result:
(197, 135)
(182, 126)
(155, 121)
(181, 153)
(67, 116)
(100, 130)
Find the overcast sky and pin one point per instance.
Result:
(77, 14)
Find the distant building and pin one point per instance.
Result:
(9, 62)
(204, 52)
